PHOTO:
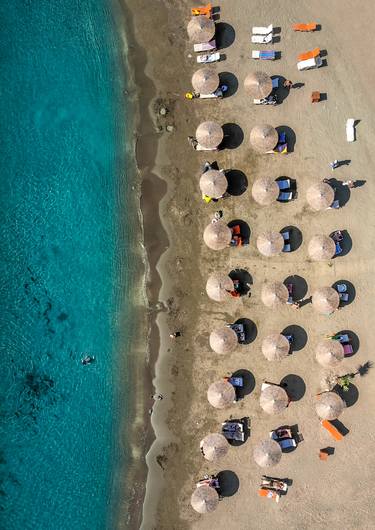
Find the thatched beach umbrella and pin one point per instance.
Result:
(325, 300)
(265, 190)
(264, 138)
(275, 347)
(214, 446)
(205, 81)
(201, 29)
(209, 134)
(270, 243)
(329, 406)
(329, 352)
(217, 235)
(320, 196)
(221, 394)
(321, 247)
(273, 399)
(267, 454)
(223, 340)
(219, 286)
(274, 294)
(258, 85)
(213, 183)
(204, 499)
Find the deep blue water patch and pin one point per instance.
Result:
(64, 268)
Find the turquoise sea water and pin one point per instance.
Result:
(65, 267)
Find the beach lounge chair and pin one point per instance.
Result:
(287, 443)
(348, 350)
(283, 184)
(205, 46)
(209, 58)
(350, 130)
(311, 26)
(341, 287)
(315, 96)
(285, 196)
(233, 430)
(262, 39)
(290, 291)
(316, 62)
(269, 493)
(337, 235)
(209, 480)
(275, 83)
(344, 297)
(338, 248)
(286, 235)
(235, 381)
(281, 433)
(343, 338)
(290, 338)
(261, 30)
(267, 55)
(335, 205)
(332, 430)
(309, 55)
(274, 483)
(200, 147)
(204, 10)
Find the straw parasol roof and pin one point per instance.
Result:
(263, 138)
(267, 454)
(329, 406)
(218, 286)
(213, 183)
(258, 85)
(204, 499)
(201, 29)
(221, 394)
(320, 196)
(273, 399)
(223, 340)
(325, 300)
(209, 134)
(217, 235)
(214, 446)
(274, 294)
(265, 190)
(270, 243)
(205, 80)
(275, 347)
(329, 352)
(321, 247)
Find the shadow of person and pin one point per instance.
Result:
(248, 383)
(299, 337)
(228, 482)
(299, 286)
(237, 182)
(294, 385)
(250, 329)
(224, 35)
(290, 136)
(350, 396)
(233, 136)
(295, 237)
(231, 81)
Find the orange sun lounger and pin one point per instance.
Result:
(269, 493)
(311, 26)
(205, 10)
(332, 430)
(309, 55)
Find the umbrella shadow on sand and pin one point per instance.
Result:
(237, 182)
(224, 35)
(228, 482)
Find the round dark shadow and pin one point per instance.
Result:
(295, 237)
(347, 295)
(248, 383)
(299, 337)
(299, 286)
(245, 281)
(244, 229)
(250, 329)
(294, 385)
(246, 430)
(224, 35)
(290, 136)
(231, 81)
(353, 341)
(233, 136)
(350, 396)
(228, 482)
(237, 182)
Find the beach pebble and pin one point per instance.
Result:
(170, 128)
(162, 111)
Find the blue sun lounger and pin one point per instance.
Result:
(266, 55)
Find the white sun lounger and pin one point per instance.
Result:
(209, 58)
(201, 148)
(261, 39)
(315, 62)
(350, 130)
(205, 46)
(261, 30)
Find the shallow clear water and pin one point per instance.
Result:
(64, 268)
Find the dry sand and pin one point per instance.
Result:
(330, 494)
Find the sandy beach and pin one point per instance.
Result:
(323, 494)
